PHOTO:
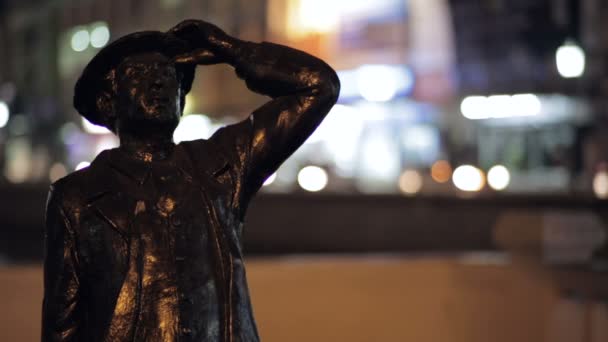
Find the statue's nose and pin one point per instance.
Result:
(157, 83)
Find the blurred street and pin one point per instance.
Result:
(459, 298)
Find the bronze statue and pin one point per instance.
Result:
(145, 244)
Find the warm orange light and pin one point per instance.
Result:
(441, 171)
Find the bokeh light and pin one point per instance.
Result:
(468, 178)
(376, 83)
(500, 106)
(410, 182)
(82, 165)
(18, 165)
(312, 178)
(600, 184)
(100, 35)
(570, 60)
(106, 142)
(270, 179)
(441, 171)
(92, 128)
(4, 114)
(318, 16)
(80, 40)
(192, 127)
(499, 177)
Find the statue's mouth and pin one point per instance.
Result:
(160, 99)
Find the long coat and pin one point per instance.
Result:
(93, 247)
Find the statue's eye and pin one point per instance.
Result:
(129, 71)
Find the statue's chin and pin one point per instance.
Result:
(153, 125)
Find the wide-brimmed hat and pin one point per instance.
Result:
(93, 81)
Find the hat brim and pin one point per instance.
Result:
(93, 81)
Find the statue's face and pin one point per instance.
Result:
(147, 93)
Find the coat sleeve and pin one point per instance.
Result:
(60, 308)
(302, 88)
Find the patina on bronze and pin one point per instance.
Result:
(145, 244)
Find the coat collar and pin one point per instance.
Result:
(192, 157)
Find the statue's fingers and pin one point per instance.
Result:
(206, 57)
(185, 58)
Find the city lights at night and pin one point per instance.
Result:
(600, 184)
(4, 114)
(92, 128)
(270, 179)
(571, 60)
(191, 127)
(468, 178)
(312, 178)
(500, 106)
(499, 177)
(441, 171)
(410, 182)
(100, 35)
(80, 40)
(82, 165)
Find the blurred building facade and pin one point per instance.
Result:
(428, 86)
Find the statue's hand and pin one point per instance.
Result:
(201, 35)
(199, 56)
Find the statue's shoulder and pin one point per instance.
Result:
(70, 191)
(76, 190)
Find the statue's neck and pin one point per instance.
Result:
(147, 149)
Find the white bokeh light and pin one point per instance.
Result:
(4, 114)
(499, 177)
(318, 16)
(410, 182)
(100, 35)
(312, 178)
(92, 128)
(475, 107)
(377, 83)
(80, 40)
(193, 127)
(570, 60)
(270, 179)
(82, 165)
(106, 143)
(600, 184)
(339, 134)
(468, 178)
(500, 106)
(525, 105)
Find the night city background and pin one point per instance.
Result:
(456, 192)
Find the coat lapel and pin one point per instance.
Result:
(111, 199)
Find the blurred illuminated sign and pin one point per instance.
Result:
(372, 23)
(376, 82)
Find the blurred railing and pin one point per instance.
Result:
(332, 223)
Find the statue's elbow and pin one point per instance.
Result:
(334, 85)
(329, 86)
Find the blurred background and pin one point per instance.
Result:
(456, 192)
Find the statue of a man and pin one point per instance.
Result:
(145, 243)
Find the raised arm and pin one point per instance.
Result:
(60, 306)
(303, 89)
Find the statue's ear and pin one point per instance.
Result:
(106, 108)
(106, 103)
